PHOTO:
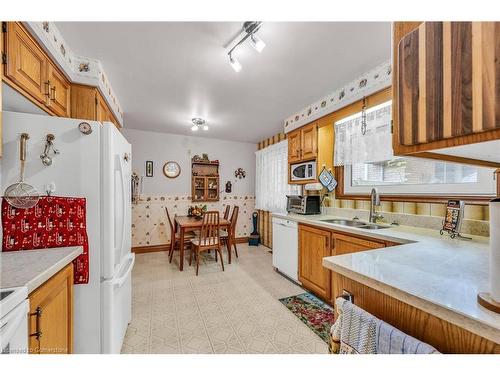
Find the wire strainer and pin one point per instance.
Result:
(21, 194)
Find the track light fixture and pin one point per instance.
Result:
(249, 29)
(198, 123)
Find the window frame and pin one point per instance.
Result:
(379, 98)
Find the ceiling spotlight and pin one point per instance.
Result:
(249, 30)
(234, 63)
(257, 43)
(198, 123)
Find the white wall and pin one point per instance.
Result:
(162, 147)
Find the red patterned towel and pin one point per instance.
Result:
(53, 222)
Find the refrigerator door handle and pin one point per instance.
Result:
(124, 202)
(119, 281)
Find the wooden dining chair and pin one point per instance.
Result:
(226, 212)
(175, 238)
(231, 232)
(209, 238)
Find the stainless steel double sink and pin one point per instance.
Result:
(355, 224)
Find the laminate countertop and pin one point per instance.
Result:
(434, 273)
(31, 268)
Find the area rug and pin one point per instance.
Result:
(313, 312)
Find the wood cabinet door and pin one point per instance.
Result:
(101, 109)
(26, 63)
(294, 146)
(314, 245)
(309, 141)
(345, 244)
(51, 315)
(447, 82)
(59, 96)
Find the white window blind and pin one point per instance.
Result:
(351, 146)
(271, 180)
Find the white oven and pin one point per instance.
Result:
(303, 171)
(14, 308)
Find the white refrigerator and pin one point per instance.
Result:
(96, 166)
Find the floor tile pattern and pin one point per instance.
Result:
(235, 311)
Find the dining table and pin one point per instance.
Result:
(190, 223)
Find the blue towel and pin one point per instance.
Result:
(359, 332)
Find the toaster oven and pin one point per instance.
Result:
(304, 205)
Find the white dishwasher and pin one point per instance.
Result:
(286, 247)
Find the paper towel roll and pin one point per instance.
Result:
(495, 249)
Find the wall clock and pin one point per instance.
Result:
(171, 169)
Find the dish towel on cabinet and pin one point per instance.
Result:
(53, 222)
(358, 332)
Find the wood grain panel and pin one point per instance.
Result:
(346, 244)
(408, 88)
(55, 298)
(433, 86)
(422, 92)
(314, 245)
(444, 336)
(461, 78)
(447, 80)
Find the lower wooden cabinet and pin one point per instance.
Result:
(51, 315)
(346, 244)
(314, 245)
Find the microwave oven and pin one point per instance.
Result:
(303, 171)
(304, 205)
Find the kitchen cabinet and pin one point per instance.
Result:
(51, 315)
(303, 143)
(446, 91)
(58, 98)
(294, 146)
(346, 244)
(87, 103)
(31, 72)
(25, 62)
(314, 245)
(205, 181)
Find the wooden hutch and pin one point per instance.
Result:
(205, 185)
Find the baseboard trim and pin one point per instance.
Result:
(165, 247)
(150, 248)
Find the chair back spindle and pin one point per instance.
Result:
(226, 212)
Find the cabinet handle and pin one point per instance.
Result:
(38, 332)
(47, 89)
(53, 91)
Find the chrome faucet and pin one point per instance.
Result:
(374, 202)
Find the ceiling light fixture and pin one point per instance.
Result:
(249, 29)
(198, 123)
(234, 63)
(257, 43)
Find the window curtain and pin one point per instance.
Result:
(352, 147)
(271, 180)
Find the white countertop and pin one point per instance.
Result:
(31, 268)
(431, 272)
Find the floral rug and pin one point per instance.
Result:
(316, 314)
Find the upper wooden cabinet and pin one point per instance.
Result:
(30, 71)
(26, 63)
(51, 315)
(58, 99)
(314, 245)
(87, 103)
(309, 141)
(294, 146)
(303, 143)
(446, 86)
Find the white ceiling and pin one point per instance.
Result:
(166, 73)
